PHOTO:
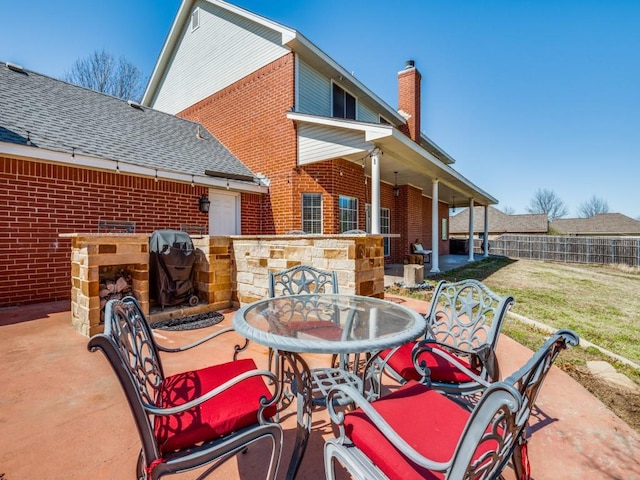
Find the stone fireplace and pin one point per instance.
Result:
(90, 255)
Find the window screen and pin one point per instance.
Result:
(312, 212)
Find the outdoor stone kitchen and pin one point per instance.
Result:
(230, 271)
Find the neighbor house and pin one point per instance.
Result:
(336, 157)
(72, 159)
(499, 223)
(602, 224)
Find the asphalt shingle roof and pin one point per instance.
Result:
(601, 224)
(499, 222)
(62, 117)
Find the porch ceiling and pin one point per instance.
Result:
(328, 138)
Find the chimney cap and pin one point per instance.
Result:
(410, 64)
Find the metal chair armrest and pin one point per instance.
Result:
(196, 343)
(427, 346)
(265, 402)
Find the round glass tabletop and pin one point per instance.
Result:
(328, 323)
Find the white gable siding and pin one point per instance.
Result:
(314, 91)
(314, 95)
(224, 49)
(316, 143)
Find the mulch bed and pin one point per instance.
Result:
(192, 322)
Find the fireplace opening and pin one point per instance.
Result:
(115, 281)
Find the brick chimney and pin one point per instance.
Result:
(409, 99)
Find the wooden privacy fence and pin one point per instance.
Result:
(599, 250)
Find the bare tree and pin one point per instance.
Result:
(546, 201)
(509, 210)
(592, 207)
(101, 72)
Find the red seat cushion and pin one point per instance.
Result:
(440, 369)
(325, 330)
(232, 410)
(426, 419)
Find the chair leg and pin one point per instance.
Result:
(140, 470)
(329, 466)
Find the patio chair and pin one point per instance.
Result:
(464, 318)
(418, 249)
(442, 438)
(308, 279)
(190, 419)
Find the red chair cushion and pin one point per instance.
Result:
(323, 329)
(230, 411)
(440, 369)
(426, 419)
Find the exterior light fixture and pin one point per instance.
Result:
(453, 204)
(396, 188)
(203, 204)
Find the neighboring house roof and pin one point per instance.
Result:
(422, 162)
(499, 222)
(601, 224)
(42, 115)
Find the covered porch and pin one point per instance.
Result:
(424, 184)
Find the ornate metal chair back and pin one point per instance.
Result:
(507, 429)
(302, 279)
(128, 344)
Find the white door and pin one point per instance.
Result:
(224, 213)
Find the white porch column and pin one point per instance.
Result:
(375, 191)
(471, 233)
(486, 231)
(435, 228)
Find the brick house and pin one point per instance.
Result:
(331, 151)
(499, 223)
(267, 127)
(71, 158)
(602, 224)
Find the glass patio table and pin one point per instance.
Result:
(325, 323)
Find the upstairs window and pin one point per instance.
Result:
(344, 104)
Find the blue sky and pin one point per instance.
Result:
(523, 94)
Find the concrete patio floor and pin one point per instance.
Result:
(63, 415)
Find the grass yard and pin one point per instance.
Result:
(601, 303)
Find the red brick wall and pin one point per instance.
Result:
(249, 118)
(39, 201)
